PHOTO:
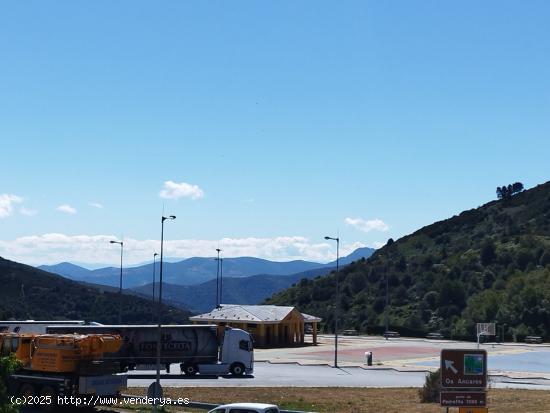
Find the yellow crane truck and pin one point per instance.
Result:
(62, 368)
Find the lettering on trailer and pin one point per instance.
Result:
(459, 399)
(464, 369)
(166, 346)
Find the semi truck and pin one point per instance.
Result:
(67, 366)
(196, 348)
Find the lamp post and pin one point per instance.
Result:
(158, 388)
(386, 312)
(218, 278)
(154, 265)
(221, 280)
(337, 306)
(120, 285)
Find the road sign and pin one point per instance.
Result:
(464, 369)
(486, 329)
(460, 399)
(473, 410)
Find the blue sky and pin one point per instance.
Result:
(288, 117)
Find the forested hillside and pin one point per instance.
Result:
(30, 293)
(487, 264)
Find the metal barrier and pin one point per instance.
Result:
(206, 406)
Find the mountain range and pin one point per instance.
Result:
(201, 298)
(193, 271)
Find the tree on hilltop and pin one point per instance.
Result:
(506, 192)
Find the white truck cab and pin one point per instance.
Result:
(246, 408)
(237, 351)
(236, 356)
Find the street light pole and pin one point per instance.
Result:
(337, 306)
(157, 388)
(387, 309)
(120, 285)
(218, 278)
(221, 280)
(154, 266)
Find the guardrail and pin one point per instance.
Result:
(205, 406)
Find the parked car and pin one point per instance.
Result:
(246, 408)
(391, 334)
(350, 333)
(435, 336)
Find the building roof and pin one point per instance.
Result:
(311, 318)
(249, 313)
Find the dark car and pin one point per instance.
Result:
(533, 339)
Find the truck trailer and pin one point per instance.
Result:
(33, 326)
(196, 348)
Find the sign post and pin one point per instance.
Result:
(463, 378)
(485, 329)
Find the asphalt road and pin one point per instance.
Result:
(292, 375)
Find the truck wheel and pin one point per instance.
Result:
(48, 393)
(190, 369)
(27, 390)
(237, 369)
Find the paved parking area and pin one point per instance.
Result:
(399, 353)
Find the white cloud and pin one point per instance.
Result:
(66, 209)
(173, 190)
(367, 226)
(6, 204)
(378, 244)
(92, 249)
(27, 212)
(96, 205)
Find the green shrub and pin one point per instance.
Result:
(430, 392)
(7, 366)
